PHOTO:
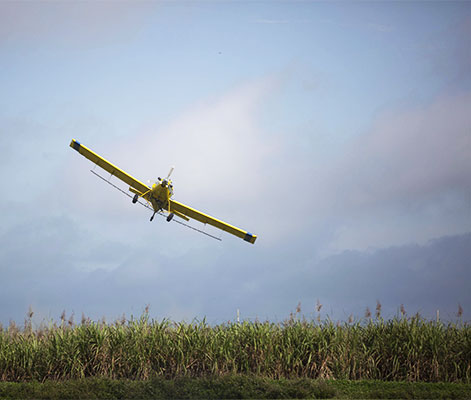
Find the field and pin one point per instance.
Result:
(323, 354)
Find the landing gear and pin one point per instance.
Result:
(170, 216)
(135, 198)
(151, 218)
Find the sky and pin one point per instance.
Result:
(338, 132)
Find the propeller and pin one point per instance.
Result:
(170, 172)
(150, 181)
(165, 181)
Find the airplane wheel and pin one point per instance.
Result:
(134, 199)
(170, 216)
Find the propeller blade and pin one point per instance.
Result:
(170, 173)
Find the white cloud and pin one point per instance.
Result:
(414, 155)
(216, 146)
(406, 179)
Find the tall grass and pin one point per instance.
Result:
(410, 349)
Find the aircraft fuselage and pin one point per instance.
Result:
(160, 194)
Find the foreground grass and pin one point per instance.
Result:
(230, 387)
(401, 349)
(392, 350)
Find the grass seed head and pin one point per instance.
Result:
(403, 310)
(71, 320)
(13, 328)
(318, 306)
(378, 309)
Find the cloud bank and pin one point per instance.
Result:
(54, 274)
(405, 179)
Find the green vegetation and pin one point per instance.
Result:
(230, 387)
(400, 349)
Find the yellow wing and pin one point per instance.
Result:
(107, 166)
(206, 219)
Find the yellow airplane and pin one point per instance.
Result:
(159, 195)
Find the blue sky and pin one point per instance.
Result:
(336, 131)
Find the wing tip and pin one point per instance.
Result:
(250, 238)
(75, 144)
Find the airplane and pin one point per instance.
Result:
(159, 195)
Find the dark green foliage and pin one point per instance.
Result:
(401, 390)
(400, 349)
(226, 387)
(230, 387)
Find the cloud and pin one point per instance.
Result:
(423, 278)
(47, 264)
(412, 166)
(54, 264)
(410, 156)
